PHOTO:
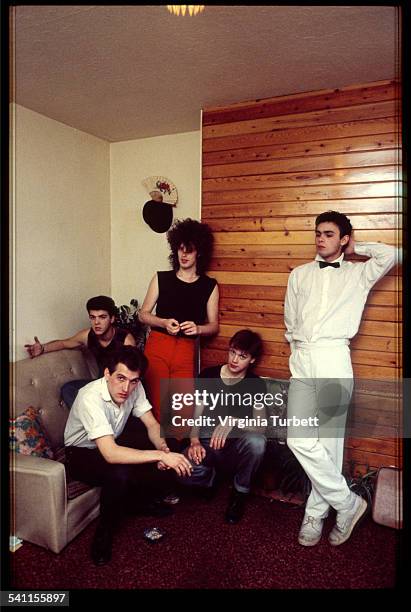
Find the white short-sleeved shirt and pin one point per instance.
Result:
(94, 414)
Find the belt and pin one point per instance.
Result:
(321, 343)
(163, 331)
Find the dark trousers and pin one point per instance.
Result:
(70, 389)
(124, 486)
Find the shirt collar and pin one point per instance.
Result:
(105, 393)
(339, 259)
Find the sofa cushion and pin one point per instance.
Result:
(27, 436)
(74, 487)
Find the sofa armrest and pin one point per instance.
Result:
(39, 501)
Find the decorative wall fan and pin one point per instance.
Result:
(158, 212)
(161, 189)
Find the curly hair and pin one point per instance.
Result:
(191, 234)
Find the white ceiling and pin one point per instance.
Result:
(126, 72)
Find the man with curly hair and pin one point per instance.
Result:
(186, 301)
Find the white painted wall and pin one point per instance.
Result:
(60, 227)
(76, 220)
(137, 252)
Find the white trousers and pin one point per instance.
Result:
(321, 387)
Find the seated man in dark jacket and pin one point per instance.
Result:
(229, 437)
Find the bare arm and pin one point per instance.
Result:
(76, 341)
(196, 451)
(113, 453)
(211, 327)
(153, 431)
(129, 340)
(171, 325)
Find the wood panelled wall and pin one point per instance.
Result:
(268, 168)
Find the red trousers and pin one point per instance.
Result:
(169, 358)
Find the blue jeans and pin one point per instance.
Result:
(70, 389)
(240, 457)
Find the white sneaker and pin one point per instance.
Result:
(311, 530)
(346, 521)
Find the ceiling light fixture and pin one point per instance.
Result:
(182, 9)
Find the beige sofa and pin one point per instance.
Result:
(47, 508)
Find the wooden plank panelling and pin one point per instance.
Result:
(373, 142)
(324, 177)
(318, 118)
(306, 208)
(385, 157)
(371, 313)
(321, 191)
(388, 298)
(269, 167)
(281, 105)
(306, 135)
(387, 283)
(361, 341)
(244, 263)
(281, 349)
(266, 224)
(386, 235)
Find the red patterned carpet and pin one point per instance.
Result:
(200, 551)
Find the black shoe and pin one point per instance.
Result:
(171, 499)
(101, 546)
(157, 508)
(208, 493)
(236, 507)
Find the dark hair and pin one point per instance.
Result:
(341, 220)
(247, 341)
(191, 234)
(130, 356)
(102, 302)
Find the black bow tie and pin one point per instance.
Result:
(324, 264)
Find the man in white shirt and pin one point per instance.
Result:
(323, 307)
(96, 420)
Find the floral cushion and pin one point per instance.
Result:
(27, 436)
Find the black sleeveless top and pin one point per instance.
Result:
(183, 301)
(102, 353)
